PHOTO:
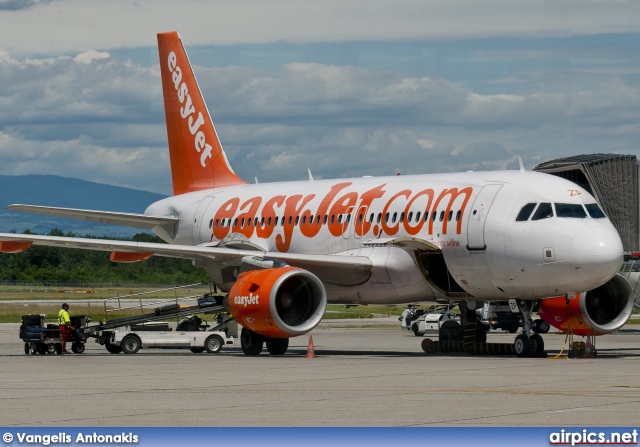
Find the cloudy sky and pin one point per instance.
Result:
(346, 88)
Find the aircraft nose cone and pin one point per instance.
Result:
(597, 254)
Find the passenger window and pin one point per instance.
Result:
(410, 216)
(544, 211)
(401, 217)
(571, 210)
(269, 222)
(450, 216)
(297, 220)
(458, 215)
(525, 212)
(371, 217)
(418, 216)
(235, 222)
(595, 211)
(304, 220)
(318, 219)
(379, 217)
(441, 216)
(275, 223)
(348, 218)
(339, 218)
(217, 222)
(395, 216)
(242, 223)
(324, 222)
(333, 218)
(433, 216)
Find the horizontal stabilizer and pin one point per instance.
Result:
(126, 219)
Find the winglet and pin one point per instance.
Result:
(522, 169)
(197, 158)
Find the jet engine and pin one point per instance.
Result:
(596, 312)
(278, 302)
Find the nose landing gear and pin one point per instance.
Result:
(527, 344)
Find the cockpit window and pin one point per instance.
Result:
(544, 211)
(594, 211)
(525, 212)
(572, 210)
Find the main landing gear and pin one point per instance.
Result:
(252, 343)
(470, 336)
(527, 344)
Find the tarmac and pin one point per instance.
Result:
(366, 373)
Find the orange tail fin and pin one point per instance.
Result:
(197, 158)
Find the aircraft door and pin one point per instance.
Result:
(198, 219)
(478, 217)
(359, 221)
(346, 223)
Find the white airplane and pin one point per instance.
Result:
(284, 250)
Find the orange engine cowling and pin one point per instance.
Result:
(279, 302)
(597, 312)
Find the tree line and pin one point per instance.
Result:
(52, 264)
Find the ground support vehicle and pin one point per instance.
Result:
(501, 316)
(43, 339)
(421, 321)
(145, 329)
(130, 340)
(430, 322)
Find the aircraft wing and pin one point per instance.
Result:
(126, 219)
(335, 269)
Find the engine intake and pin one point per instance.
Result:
(278, 302)
(596, 312)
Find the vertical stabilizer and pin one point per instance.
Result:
(197, 158)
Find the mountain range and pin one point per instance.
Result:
(51, 190)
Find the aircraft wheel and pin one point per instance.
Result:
(131, 344)
(521, 345)
(277, 346)
(250, 342)
(543, 327)
(536, 347)
(213, 344)
(113, 349)
(77, 348)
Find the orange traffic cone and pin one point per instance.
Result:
(311, 353)
(588, 348)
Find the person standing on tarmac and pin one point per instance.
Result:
(64, 321)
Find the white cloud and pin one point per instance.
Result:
(78, 25)
(104, 121)
(91, 55)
